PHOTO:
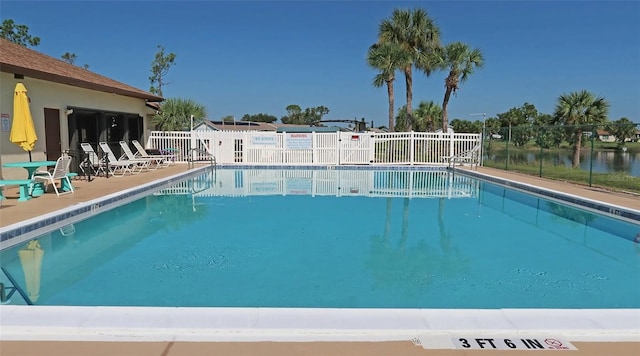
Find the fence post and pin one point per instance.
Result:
(284, 148)
(314, 146)
(451, 153)
(506, 161)
(337, 148)
(591, 156)
(372, 148)
(192, 145)
(481, 153)
(541, 143)
(412, 148)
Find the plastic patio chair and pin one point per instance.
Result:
(60, 171)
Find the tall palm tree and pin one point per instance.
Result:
(175, 114)
(427, 115)
(577, 109)
(416, 33)
(460, 61)
(387, 57)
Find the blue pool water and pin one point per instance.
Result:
(336, 238)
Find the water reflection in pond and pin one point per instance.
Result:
(603, 161)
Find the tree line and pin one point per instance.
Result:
(406, 40)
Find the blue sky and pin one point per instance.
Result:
(260, 56)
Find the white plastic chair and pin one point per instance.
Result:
(59, 172)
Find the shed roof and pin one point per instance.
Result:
(240, 126)
(309, 129)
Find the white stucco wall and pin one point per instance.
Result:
(44, 94)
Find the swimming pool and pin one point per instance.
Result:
(337, 239)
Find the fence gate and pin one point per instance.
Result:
(355, 148)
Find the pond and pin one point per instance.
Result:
(603, 161)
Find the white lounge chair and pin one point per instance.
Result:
(91, 164)
(59, 172)
(155, 161)
(166, 159)
(120, 165)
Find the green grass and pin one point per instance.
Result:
(613, 181)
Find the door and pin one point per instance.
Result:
(355, 148)
(52, 134)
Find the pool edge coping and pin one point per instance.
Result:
(308, 324)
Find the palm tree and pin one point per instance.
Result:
(402, 119)
(460, 61)
(387, 57)
(175, 114)
(426, 116)
(577, 109)
(416, 34)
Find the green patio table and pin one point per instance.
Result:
(38, 188)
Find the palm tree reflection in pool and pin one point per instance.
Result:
(175, 211)
(413, 269)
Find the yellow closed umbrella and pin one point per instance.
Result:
(23, 132)
(31, 260)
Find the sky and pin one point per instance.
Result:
(249, 57)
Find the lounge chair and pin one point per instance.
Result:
(60, 171)
(166, 159)
(91, 164)
(120, 165)
(156, 161)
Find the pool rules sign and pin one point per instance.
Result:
(511, 343)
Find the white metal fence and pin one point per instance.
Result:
(314, 148)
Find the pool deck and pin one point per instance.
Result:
(72, 338)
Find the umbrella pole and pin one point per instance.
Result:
(30, 157)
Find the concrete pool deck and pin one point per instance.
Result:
(178, 331)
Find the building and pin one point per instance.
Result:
(605, 136)
(235, 126)
(208, 125)
(69, 105)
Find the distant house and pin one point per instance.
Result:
(69, 105)
(605, 136)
